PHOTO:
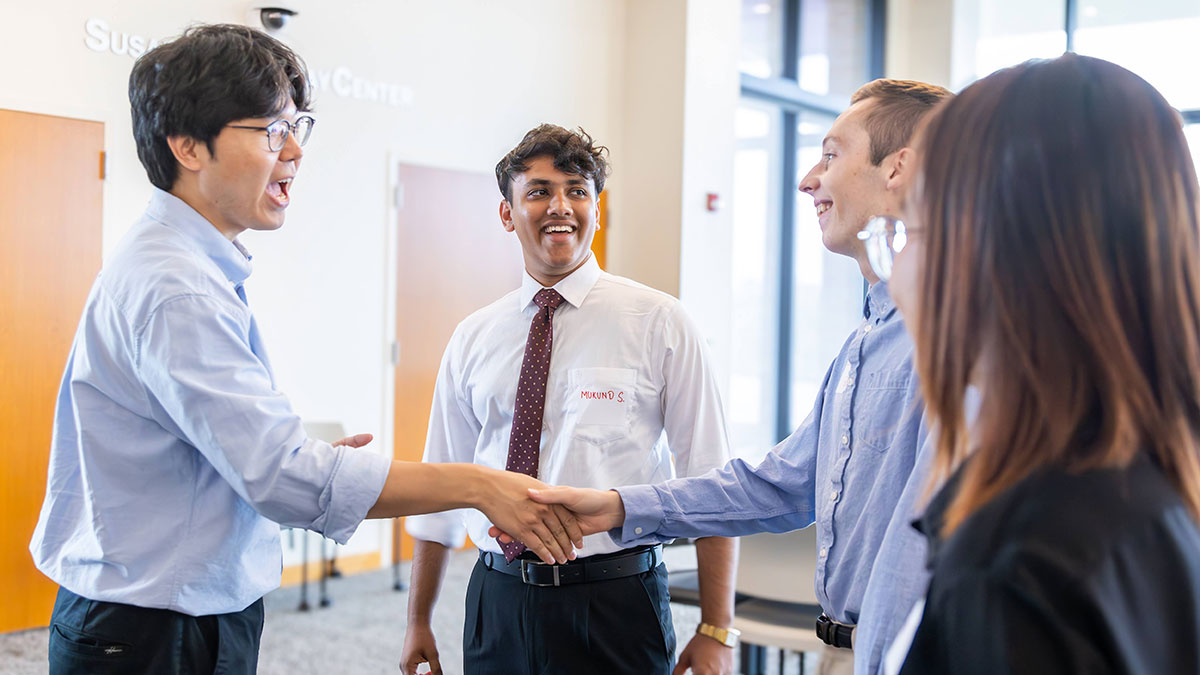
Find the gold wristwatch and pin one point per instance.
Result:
(726, 636)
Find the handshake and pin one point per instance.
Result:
(550, 521)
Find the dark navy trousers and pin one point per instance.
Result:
(97, 638)
(604, 627)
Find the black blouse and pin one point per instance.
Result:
(1097, 572)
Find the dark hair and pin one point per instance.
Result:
(899, 106)
(1061, 220)
(572, 151)
(208, 77)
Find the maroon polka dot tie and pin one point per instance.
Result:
(524, 444)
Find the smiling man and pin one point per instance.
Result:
(583, 378)
(174, 458)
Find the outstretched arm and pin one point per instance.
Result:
(775, 496)
(503, 496)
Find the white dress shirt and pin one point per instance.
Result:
(630, 388)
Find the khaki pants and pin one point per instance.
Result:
(836, 661)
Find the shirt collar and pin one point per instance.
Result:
(878, 304)
(230, 256)
(574, 287)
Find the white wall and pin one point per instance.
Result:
(712, 90)
(681, 88)
(647, 155)
(919, 43)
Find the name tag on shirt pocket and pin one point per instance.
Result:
(600, 402)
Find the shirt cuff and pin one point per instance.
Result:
(643, 516)
(357, 483)
(445, 528)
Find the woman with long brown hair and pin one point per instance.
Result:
(1053, 263)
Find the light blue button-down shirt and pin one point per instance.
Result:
(174, 458)
(848, 468)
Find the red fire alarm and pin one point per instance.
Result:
(712, 201)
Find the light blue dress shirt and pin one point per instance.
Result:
(848, 469)
(174, 458)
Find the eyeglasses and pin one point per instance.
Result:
(277, 131)
(884, 237)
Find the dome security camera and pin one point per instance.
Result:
(274, 18)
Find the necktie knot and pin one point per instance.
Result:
(548, 297)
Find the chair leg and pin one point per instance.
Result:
(304, 571)
(324, 601)
(782, 660)
(753, 659)
(334, 572)
(802, 664)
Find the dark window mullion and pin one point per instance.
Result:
(877, 45)
(787, 217)
(783, 384)
(789, 95)
(791, 40)
(1071, 22)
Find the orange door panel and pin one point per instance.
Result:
(453, 257)
(50, 226)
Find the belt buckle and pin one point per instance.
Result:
(823, 629)
(525, 567)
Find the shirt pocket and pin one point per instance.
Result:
(882, 408)
(600, 403)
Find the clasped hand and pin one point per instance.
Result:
(547, 529)
(589, 511)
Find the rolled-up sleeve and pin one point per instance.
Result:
(207, 386)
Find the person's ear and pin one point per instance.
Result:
(899, 166)
(190, 153)
(506, 216)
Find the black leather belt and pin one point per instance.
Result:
(833, 633)
(580, 571)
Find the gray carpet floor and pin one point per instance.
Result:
(361, 631)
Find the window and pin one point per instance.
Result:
(1192, 131)
(827, 289)
(757, 186)
(794, 302)
(1154, 38)
(1007, 35)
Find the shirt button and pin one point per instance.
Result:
(867, 328)
(824, 550)
(845, 440)
(637, 530)
(833, 496)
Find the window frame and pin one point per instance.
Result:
(1071, 24)
(785, 92)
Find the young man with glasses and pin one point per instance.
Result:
(856, 468)
(174, 458)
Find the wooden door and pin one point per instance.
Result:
(50, 226)
(453, 257)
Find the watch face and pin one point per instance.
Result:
(726, 636)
